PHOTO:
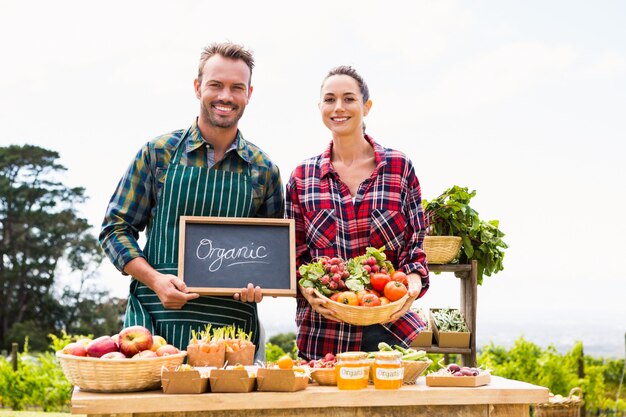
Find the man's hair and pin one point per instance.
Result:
(227, 50)
(351, 72)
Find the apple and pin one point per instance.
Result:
(116, 339)
(84, 341)
(157, 342)
(98, 347)
(167, 350)
(134, 339)
(113, 355)
(145, 354)
(75, 348)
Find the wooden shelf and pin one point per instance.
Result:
(437, 349)
(469, 294)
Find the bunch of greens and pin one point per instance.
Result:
(451, 215)
(319, 275)
(449, 320)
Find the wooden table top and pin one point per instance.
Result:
(499, 391)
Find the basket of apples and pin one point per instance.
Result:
(364, 290)
(128, 361)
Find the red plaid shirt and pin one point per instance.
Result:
(387, 212)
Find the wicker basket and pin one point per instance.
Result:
(570, 407)
(413, 369)
(441, 249)
(363, 316)
(324, 376)
(116, 375)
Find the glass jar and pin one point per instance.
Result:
(352, 370)
(388, 370)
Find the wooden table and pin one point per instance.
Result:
(502, 397)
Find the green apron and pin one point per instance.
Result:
(190, 191)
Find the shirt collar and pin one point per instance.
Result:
(379, 156)
(195, 141)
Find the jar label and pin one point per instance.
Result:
(389, 374)
(349, 372)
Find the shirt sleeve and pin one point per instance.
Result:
(128, 212)
(294, 211)
(414, 257)
(274, 204)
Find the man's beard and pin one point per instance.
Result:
(221, 121)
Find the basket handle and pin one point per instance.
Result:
(575, 390)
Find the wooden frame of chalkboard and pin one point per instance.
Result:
(221, 255)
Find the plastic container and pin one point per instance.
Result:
(388, 370)
(352, 370)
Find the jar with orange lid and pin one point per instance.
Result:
(388, 370)
(352, 370)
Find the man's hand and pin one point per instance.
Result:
(318, 304)
(250, 294)
(172, 292)
(415, 286)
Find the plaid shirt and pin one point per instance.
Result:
(387, 211)
(133, 205)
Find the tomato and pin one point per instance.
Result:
(379, 281)
(400, 277)
(395, 290)
(360, 294)
(348, 297)
(384, 301)
(369, 300)
(335, 296)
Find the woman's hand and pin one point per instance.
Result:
(415, 286)
(318, 304)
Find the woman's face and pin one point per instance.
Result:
(342, 105)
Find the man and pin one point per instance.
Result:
(189, 172)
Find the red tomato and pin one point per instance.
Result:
(400, 277)
(335, 296)
(369, 300)
(384, 301)
(395, 290)
(360, 294)
(348, 297)
(379, 281)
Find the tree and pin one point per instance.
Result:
(39, 227)
(286, 341)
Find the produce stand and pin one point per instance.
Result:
(467, 273)
(501, 398)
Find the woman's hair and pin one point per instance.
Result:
(227, 50)
(351, 72)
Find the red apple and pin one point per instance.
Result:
(134, 339)
(113, 355)
(98, 347)
(116, 339)
(145, 354)
(166, 350)
(157, 342)
(76, 349)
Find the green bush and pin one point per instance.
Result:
(38, 381)
(527, 362)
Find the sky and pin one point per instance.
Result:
(523, 102)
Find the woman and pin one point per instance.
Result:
(354, 195)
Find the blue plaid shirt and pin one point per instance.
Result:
(133, 205)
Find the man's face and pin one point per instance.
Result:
(223, 91)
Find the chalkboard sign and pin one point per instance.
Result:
(221, 255)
